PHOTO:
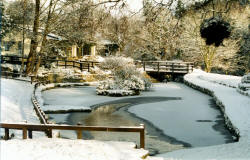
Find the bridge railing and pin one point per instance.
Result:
(168, 66)
(48, 128)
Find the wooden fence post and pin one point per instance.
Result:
(30, 134)
(88, 67)
(81, 66)
(144, 65)
(142, 136)
(79, 132)
(65, 64)
(49, 133)
(24, 133)
(188, 68)
(7, 134)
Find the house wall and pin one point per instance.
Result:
(12, 45)
(82, 51)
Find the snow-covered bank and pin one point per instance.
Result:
(235, 106)
(16, 103)
(64, 149)
(16, 106)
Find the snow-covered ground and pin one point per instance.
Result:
(16, 106)
(64, 149)
(227, 80)
(237, 109)
(16, 103)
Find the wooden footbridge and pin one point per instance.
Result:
(167, 67)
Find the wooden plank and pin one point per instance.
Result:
(39, 127)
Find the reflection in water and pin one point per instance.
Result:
(106, 116)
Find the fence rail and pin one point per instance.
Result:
(82, 65)
(48, 128)
(167, 66)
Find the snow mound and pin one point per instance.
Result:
(227, 80)
(64, 149)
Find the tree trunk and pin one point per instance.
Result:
(24, 8)
(44, 38)
(34, 41)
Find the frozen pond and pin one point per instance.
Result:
(174, 114)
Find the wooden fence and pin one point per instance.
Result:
(48, 128)
(82, 65)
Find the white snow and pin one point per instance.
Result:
(64, 108)
(11, 67)
(16, 103)
(237, 108)
(227, 80)
(16, 106)
(64, 149)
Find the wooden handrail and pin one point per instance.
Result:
(167, 66)
(49, 127)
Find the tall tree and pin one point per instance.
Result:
(34, 39)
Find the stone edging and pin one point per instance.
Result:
(228, 123)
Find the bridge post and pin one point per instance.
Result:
(158, 66)
(172, 71)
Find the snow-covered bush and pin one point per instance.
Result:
(244, 86)
(126, 77)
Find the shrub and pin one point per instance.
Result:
(126, 76)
